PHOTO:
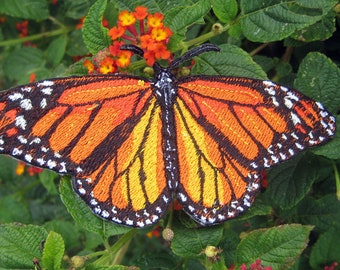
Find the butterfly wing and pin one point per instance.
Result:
(103, 130)
(228, 130)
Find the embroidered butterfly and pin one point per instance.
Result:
(133, 145)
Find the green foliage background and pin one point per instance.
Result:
(293, 224)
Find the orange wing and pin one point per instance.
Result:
(229, 130)
(102, 130)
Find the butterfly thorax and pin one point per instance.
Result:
(163, 87)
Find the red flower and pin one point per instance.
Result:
(22, 28)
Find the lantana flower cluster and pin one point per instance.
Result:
(140, 28)
(31, 170)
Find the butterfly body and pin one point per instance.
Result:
(132, 145)
(165, 91)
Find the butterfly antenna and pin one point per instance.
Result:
(132, 48)
(207, 47)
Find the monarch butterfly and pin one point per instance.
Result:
(132, 144)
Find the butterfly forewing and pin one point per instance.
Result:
(103, 130)
(231, 129)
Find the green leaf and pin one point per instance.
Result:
(153, 6)
(12, 209)
(22, 62)
(321, 30)
(20, 244)
(76, 45)
(7, 169)
(331, 149)
(95, 266)
(69, 231)
(230, 61)
(326, 249)
(266, 21)
(289, 183)
(95, 35)
(277, 247)
(319, 78)
(76, 9)
(56, 50)
(84, 216)
(33, 9)
(190, 242)
(225, 10)
(53, 253)
(324, 213)
(157, 260)
(47, 178)
(181, 17)
(258, 208)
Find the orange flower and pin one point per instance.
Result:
(140, 13)
(80, 23)
(89, 65)
(123, 59)
(115, 48)
(147, 41)
(20, 168)
(160, 34)
(155, 20)
(149, 58)
(156, 232)
(32, 170)
(116, 32)
(32, 77)
(161, 51)
(126, 18)
(107, 66)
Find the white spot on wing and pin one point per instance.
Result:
(269, 83)
(47, 90)
(288, 103)
(26, 104)
(20, 122)
(28, 158)
(16, 96)
(43, 103)
(63, 167)
(16, 152)
(41, 161)
(82, 191)
(22, 139)
(295, 118)
(45, 83)
(51, 164)
(26, 89)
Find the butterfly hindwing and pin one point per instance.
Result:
(233, 128)
(130, 186)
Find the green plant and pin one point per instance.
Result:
(293, 223)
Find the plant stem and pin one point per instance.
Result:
(57, 32)
(337, 180)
